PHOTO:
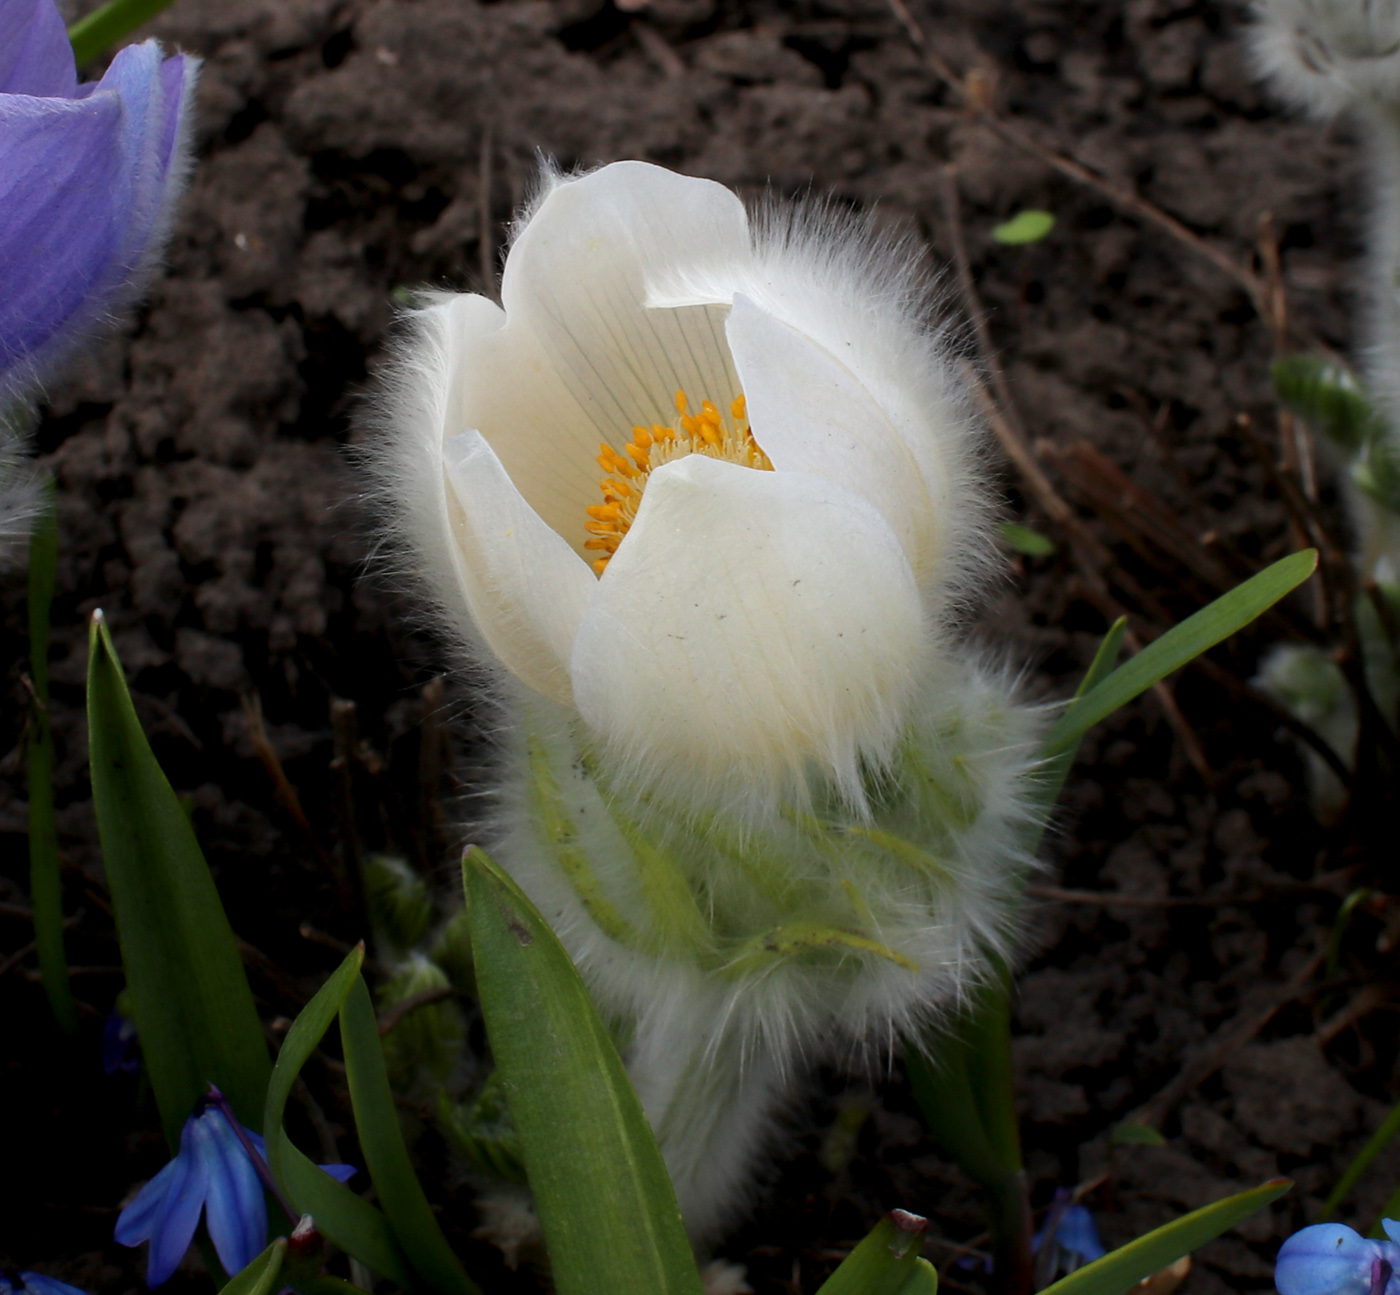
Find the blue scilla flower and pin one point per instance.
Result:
(1333, 1259)
(35, 1283)
(212, 1172)
(1069, 1239)
(88, 178)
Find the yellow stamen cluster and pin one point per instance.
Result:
(705, 432)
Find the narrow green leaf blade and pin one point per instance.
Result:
(189, 995)
(1054, 769)
(1181, 644)
(884, 1262)
(342, 1217)
(1121, 1269)
(381, 1139)
(606, 1205)
(260, 1276)
(104, 27)
(1378, 1142)
(45, 879)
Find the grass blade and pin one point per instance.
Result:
(1121, 1270)
(342, 1217)
(1050, 776)
(377, 1122)
(1181, 644)
(606, 1205)
(885, 1261)
(1381, 1139)
(189, 995)
(104, 27)
(45, 879)
(260, 1276)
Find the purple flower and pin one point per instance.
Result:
(35, 1283)
(88, 178)
(214, 1173)
(1332, 1259)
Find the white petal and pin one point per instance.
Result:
(810, 413)
(580, 360)
(752, 625)
(526, 588)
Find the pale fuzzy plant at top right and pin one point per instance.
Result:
(1342, 58)
(705, 497)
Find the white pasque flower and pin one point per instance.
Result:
(751, 626)
(707, 489)
(1329, 55)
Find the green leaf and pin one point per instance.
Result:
(1024, 540)
(104, 27)
(1327, 398)
(188, 993)
(45, 878)
(1131, 1134)
(341, 1216)
(260, 1276)
(377, 1122)
(606, 1205)
(1121, 1269)
(885, 1261)
(1181, 644)
(922, 1281)
(1054, 769)
(1378, 1142)
(1028, 226)
(1377, 472)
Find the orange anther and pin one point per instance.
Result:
(600, 565)
(639, 454)
(681, 402)
(640, 436)
(738, 406)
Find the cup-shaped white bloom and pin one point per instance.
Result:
(1329, 55)
(734, 593)
(705, 487)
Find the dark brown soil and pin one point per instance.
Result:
(348, 148)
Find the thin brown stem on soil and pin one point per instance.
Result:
(394, 1015)
(1002, 414)
(1363, 1004)
(980, 105)
(281, 785)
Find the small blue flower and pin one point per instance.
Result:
(1333, 1259)
(88, 177)
(211, 1172)
(35, 1283)
(1073, 1238)
(118, 1044)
